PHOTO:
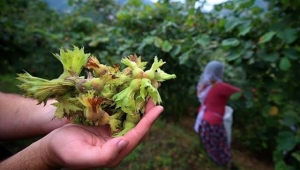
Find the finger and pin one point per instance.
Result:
(146, 122)
(150, 104)
(135, 135)
(109, 152)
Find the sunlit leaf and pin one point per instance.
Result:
(166, 47)
(231, 24)
(96, 41)
(266, 37)
(233, 56)
(149, 40)
(296, 156)
(236, 96)
(158, 42)
(231, 42)
(203, 40)
(243, 30)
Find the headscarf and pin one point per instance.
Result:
(213, 72)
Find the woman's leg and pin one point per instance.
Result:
(214, 140)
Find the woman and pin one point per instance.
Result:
(213, 95)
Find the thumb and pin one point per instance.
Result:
(112, 148)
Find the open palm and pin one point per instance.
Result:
(79, 146)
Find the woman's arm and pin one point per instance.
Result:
(21, 117)
(227, 89)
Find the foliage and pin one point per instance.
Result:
(9, 84)
(259, 45)
(265, 44)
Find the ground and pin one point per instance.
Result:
(175, 146)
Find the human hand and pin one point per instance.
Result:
(78, 146)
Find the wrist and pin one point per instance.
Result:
(46, 121)
(32, 157)
(46, 154)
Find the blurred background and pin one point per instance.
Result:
(257, 39)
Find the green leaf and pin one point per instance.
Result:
(296, 156)
(184, 58)
(266, 37)
(247, 3)
(243, 30)
(96, 41)
(284, 64)
(65, 107)
(266, 110)
(203, 40)
(256, 10)
(149, 40)
(175, 51)
(230, 42)
(287, 35)
(229, 5)
(271, 57)
(277, 98)
(233, 56)
(289, 121)
(248, 54)
(158, 42)
(218, 7)
(236, 96)
(141, 46)
(231, 24)
(291, 54)
(221, 23)
(286, 141)
(166, 47)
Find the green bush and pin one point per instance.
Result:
(259, 47)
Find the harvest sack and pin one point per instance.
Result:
(199, 119)
(227, 121)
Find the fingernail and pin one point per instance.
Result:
(122, 144)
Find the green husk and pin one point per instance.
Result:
(105, 95)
